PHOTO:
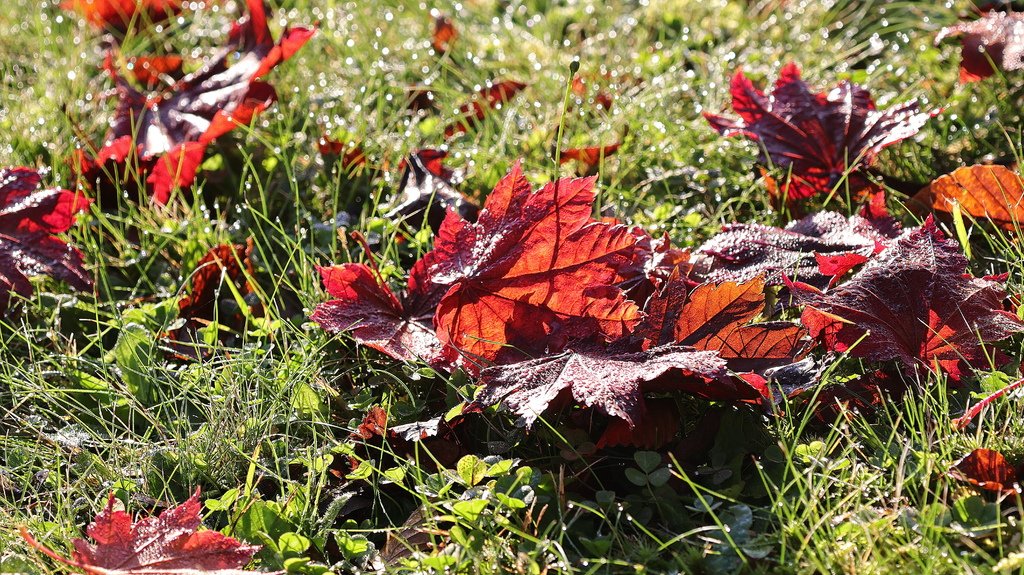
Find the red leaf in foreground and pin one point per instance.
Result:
(209, 300)
(120, 14)
(489, 98)
(170, 544)
(199, 108)
(744, 251)
(613, 382)
(534, 271)
(913, 303)
(816, 138)
(365, 307)
(426, 191)
(29, 218)
(988, 470)
(995, 38)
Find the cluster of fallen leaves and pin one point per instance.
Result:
(544, 305)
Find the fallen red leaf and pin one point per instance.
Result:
(611, 381)
(997, 38)
(817, 138)
(992, 192)
(29, 219)
(589, 157)
(365, 307)
(912, 303)
(151, 71)
(812, 249)
(444, 32)
(988, 470)
(534, 271)
(120, 14)
(180, 121)
(489, 98)
(170, 544)
(350, 156)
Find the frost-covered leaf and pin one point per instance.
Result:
(915, 304)
(744, 251)
(171, 544)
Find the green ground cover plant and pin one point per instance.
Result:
(666, 286)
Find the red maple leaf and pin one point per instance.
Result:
(29, 218)
(816, 138)
(180, 121)
(489, 98)
(120, 14)
(813, 249)
(209, 300)
(997, 38)
(534, 271)
(170, 544)
(988, 469)
(365, 307)
(912, 303)
(718, 316)
(612, 381)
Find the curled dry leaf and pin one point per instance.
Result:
(988, 469)
(813, 249)
(29, 219)
(993, 192)
(167, 132)
(915, 304)
(170, 544)
(489, 98)
(121, 14)
(997, 38)
(816, 138)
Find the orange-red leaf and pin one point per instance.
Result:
(993, 192)
(988, 470)
(120, 14)
(444, 32)
(493, 96)
(535, 270)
